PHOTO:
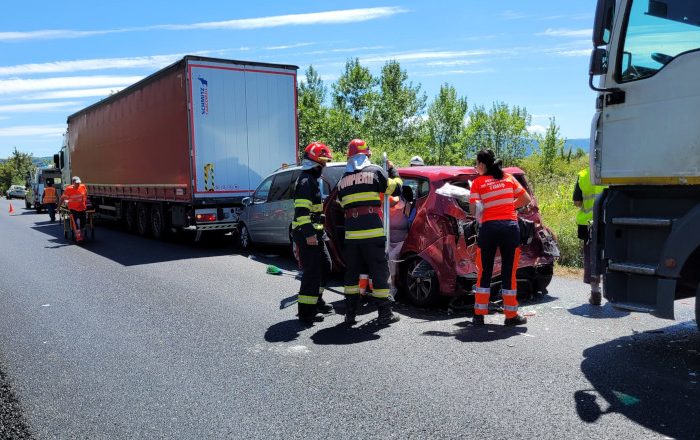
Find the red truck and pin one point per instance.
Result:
(181, 148)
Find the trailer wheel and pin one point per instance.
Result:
(142, 219)
(130, 217)
(157, 222)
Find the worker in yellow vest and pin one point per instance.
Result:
(585, 194)
(49, 199)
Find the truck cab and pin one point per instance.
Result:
(645, 145)
(37, 182)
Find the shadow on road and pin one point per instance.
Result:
(607, 311)
(650, 377)
(341, 334)
(285, 331)
(486, 333)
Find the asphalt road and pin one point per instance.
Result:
(127, 337)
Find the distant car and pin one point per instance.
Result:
(438, 256)
(267, 215)
(16, 192)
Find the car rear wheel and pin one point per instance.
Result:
(244, 241)
(422, 288)
(544, 277)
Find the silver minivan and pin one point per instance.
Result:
(267, 215)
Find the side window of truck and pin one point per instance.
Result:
(263, 191)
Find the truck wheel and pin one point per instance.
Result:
(130, 217)
(422, 290)
(157, 222)
(244, 241)
(142, 219)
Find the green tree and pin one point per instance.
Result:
(550, 144)
(501, 129)
(313, 114)
(354, 92)
(445, 126)
(395, 117)
(15, 169)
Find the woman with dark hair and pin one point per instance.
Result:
(500, 195)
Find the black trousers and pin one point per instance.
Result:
(503, 235)
(80, 218)
(316, 264)
(367, 256)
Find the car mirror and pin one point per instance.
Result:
(246, 201)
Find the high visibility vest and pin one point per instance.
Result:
(590, 192)
(77, 198)
(49, 195)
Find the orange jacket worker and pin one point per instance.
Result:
(500, 195)
(76, 195)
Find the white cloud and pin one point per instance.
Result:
(426, 55)
(289, 46)
(54, 34)
(77, 93)
(512, 15)
(150, 62)
(342, 50)
(455, 72)
(17, 108)
(454, 63)
(536, 129)
(8, 86)
(328, 17)
(570, 52)
(567, 32)
(33, 130)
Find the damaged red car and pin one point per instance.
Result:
(437, 259)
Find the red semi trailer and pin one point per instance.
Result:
(181, 148)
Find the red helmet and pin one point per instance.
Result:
(318, 152)
(358, 146)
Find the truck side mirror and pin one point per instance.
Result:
(56, 161)
(246, 201)
(599, 62)
(602, 27)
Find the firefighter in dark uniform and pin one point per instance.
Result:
(309, 236)
(359, 193)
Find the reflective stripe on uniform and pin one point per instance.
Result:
(351, 290)
(482, 290)
(302, 203)
(366, 233)
(303, 220)
(499, 192)
(498, 203)
(510, 308)
(316, 208)
(505, 292)
(306, 299)
(392, 184)
(481, 306)
(360, 197)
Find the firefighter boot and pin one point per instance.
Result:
(596, 297)
(386, 316)
(351, 304)
(516, 320)
(307, 314)
(323, 307)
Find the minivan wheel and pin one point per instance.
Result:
(424, 290)
(244, 241)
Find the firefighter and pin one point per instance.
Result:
(500, 195)
(584, 197)
(76, 195)
(49, 199)
(359, 192)
(309, 236)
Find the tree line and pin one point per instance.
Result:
(393, 115)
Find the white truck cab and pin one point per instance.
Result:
(645, 144)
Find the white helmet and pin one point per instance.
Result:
(416, 161)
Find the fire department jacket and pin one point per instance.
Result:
(362, 188)
(307, 204)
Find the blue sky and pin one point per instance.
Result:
(58, 57)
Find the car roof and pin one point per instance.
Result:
(298, 167)
(446, 172)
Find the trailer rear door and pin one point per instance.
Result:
(242, 125)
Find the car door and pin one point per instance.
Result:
(256, 212)
(280, 206)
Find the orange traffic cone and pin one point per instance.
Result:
(12, 210)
